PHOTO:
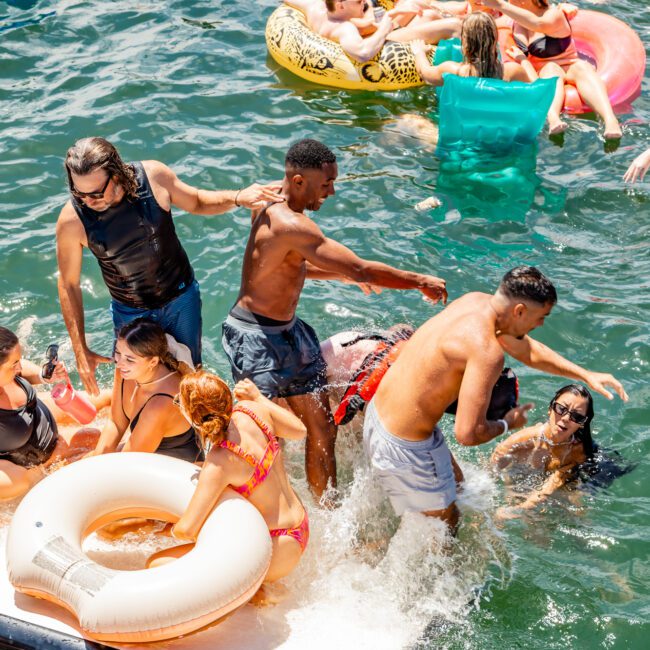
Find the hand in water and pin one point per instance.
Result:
(518, 416)
(637, 170)
(87, 362)
(256, 196)
(598, 380)
(246, 389)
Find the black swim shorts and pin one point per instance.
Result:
(282, 361)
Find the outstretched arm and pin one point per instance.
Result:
(209, 202)
(285, 423)
(539, 356)
(432, 74)
(519, 440)
(330, 256)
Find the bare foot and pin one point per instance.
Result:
(268, 595)
(613, 130)
(556, 125)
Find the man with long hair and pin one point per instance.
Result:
(122, 213)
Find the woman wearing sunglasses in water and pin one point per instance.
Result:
(557, 446)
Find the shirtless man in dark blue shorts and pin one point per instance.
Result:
(262, 337)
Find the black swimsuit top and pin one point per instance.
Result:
(545, 47)
(18, 425)
(141, 259)
(184, 445)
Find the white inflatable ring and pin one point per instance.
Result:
(45, 558)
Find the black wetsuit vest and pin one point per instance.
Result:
(135, 243)
(28, 434)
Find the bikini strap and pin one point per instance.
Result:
(136, 417)
(236, 449)
(265, 428)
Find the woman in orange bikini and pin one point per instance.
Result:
(543, 32)
(244, 455)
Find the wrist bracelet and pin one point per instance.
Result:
(505, 426)
(236, 197)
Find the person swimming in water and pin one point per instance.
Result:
(246, 456)
(146, 379)
(543, 33)
(33, 434)
(558, 446)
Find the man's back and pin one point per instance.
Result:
(427, 375)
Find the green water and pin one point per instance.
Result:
(190, 84)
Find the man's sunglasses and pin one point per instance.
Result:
(574, 416)
(91, 195)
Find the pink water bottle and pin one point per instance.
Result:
(74, 403)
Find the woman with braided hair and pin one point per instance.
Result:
(246, 456)
(146, 379)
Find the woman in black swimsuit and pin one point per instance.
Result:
(30, 439)
(146, 380)
(543, 32)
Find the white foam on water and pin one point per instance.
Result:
(367, 579)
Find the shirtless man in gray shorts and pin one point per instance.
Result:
(262, 337)
(458, 354)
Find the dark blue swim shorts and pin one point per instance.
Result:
(282, 361)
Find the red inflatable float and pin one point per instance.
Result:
(612, 47)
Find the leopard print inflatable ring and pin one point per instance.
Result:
(314, 58)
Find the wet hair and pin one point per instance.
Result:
(480, 43)
(8, 341)
(90, 154)
(584, 432)
(207, 401)
(308, 154)
(147, 339)
(602, 466)
(528, 283)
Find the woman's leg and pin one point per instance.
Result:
(73, 444)
(594, 93)
(430, 31)
(286, 555)
(555, 122)
(15, 481)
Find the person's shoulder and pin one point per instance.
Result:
(157, 171)
(285, 220)
(68, 222)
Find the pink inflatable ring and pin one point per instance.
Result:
(613, 47)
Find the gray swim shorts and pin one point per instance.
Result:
(417, 476)
(282, 361)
